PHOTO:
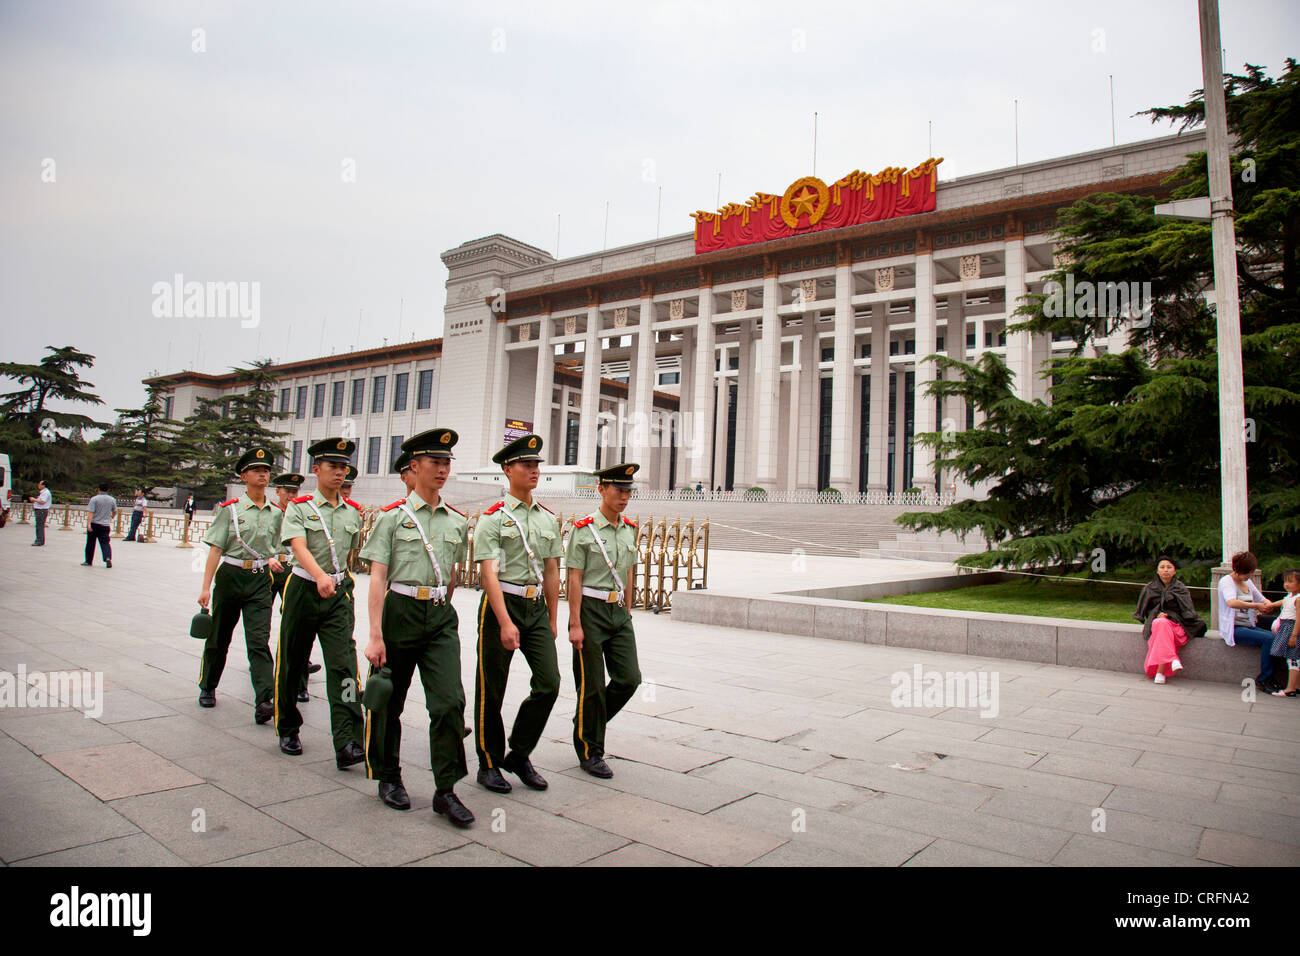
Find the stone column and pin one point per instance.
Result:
(842, 443)
(496, 426)
(745, 406)
(923, 418)
(1019, 346)
(638, 439)
(698, 430)
(878, 460)
(769, 385)
(545, 380)
(900, 425)
(955, 342)
(722, 390)
(590, 407)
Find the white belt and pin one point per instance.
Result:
(246, 565)
(531, 591)
(609, 597)
(303, 573)
(436, 595)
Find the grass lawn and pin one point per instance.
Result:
(1088, 602)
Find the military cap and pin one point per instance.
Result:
(254, 457)
(620, 474)
(351, 476)
(436, 442)
(523, 448)
(333, 449)
(403, 462)
(288, 480)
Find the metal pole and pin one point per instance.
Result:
(1232, 403)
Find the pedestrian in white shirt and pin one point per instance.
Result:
(42, 509)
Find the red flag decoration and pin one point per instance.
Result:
(809, 205)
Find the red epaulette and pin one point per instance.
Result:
(230, 502)
(583, 522)
(352, 503)
(629, 521)
(543, 507)
(396, 504)
(492, 508)
(301, 498)
(457, 510)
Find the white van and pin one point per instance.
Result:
(6, 486)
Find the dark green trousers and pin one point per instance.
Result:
(537, 644)
(235, 592)
(423, 636)
(305, 616)
(607, 643)
(278, 580)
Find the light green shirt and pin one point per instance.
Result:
(259, 527)
(499, 537)
(395, 541)
(300, 521)
(584, 554)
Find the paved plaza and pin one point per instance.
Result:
(742, 748)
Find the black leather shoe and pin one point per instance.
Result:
(394, 795)
(264, 711)
(303, 697)
(312, 668)
(490, 777)
(207, 698)
(597, 767)
(449, 804)
(86, 564)
(291, 745)
(522, 768)
(108, 564)
(350, 755)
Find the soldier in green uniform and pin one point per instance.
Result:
(517, 547)
(403, 468)
(242, 539)
(317, 602)
(286, 489)
(413, 551)
(600, 557)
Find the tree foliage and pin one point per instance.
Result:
(42, 442)
(1125, 458)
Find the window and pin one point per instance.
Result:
(893, 347)
(297, 455)
(318, 400)
(167, 406)
(670, 378)
(358, 395)
(909, 347)
(424, 386)
(865, 351)
(336, 400)
(372, 457)
(828, 353)
(938, 343)
(377, 387)
(284, 399)
(300, 409)
(394, 449)
(733, 362)
(970, 340)
(400, 385)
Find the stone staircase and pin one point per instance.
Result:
(941, 546)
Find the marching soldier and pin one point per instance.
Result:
(320, 529)
(413, 552)
(517, 547)
(242, 540)
(403, 468)
(352, 563)
(600, 556)
(286, 489)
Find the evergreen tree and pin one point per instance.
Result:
(1125, 458)
(30, 431)
(140, 449)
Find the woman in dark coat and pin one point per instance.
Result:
(1165, 608)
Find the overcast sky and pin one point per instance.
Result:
(232, 162)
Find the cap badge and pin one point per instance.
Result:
(260, 453)
(341, 445)
(446, 437)
(532, 443)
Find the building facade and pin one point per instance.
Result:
(793, 364)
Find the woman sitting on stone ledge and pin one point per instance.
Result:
(1238, 602)
(1165, 608)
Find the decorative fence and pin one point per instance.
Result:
(671, 555)
(917, 498)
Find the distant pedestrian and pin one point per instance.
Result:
(189, 507)
(137, 514)
(102, 507)
(42, 509)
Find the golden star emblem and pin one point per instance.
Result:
(804, 201)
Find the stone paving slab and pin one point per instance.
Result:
(743, 748)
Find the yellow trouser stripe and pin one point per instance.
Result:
(582, 695)
(482, 683)
(279, 651)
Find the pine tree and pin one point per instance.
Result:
(140, 449)
(1125, 458)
